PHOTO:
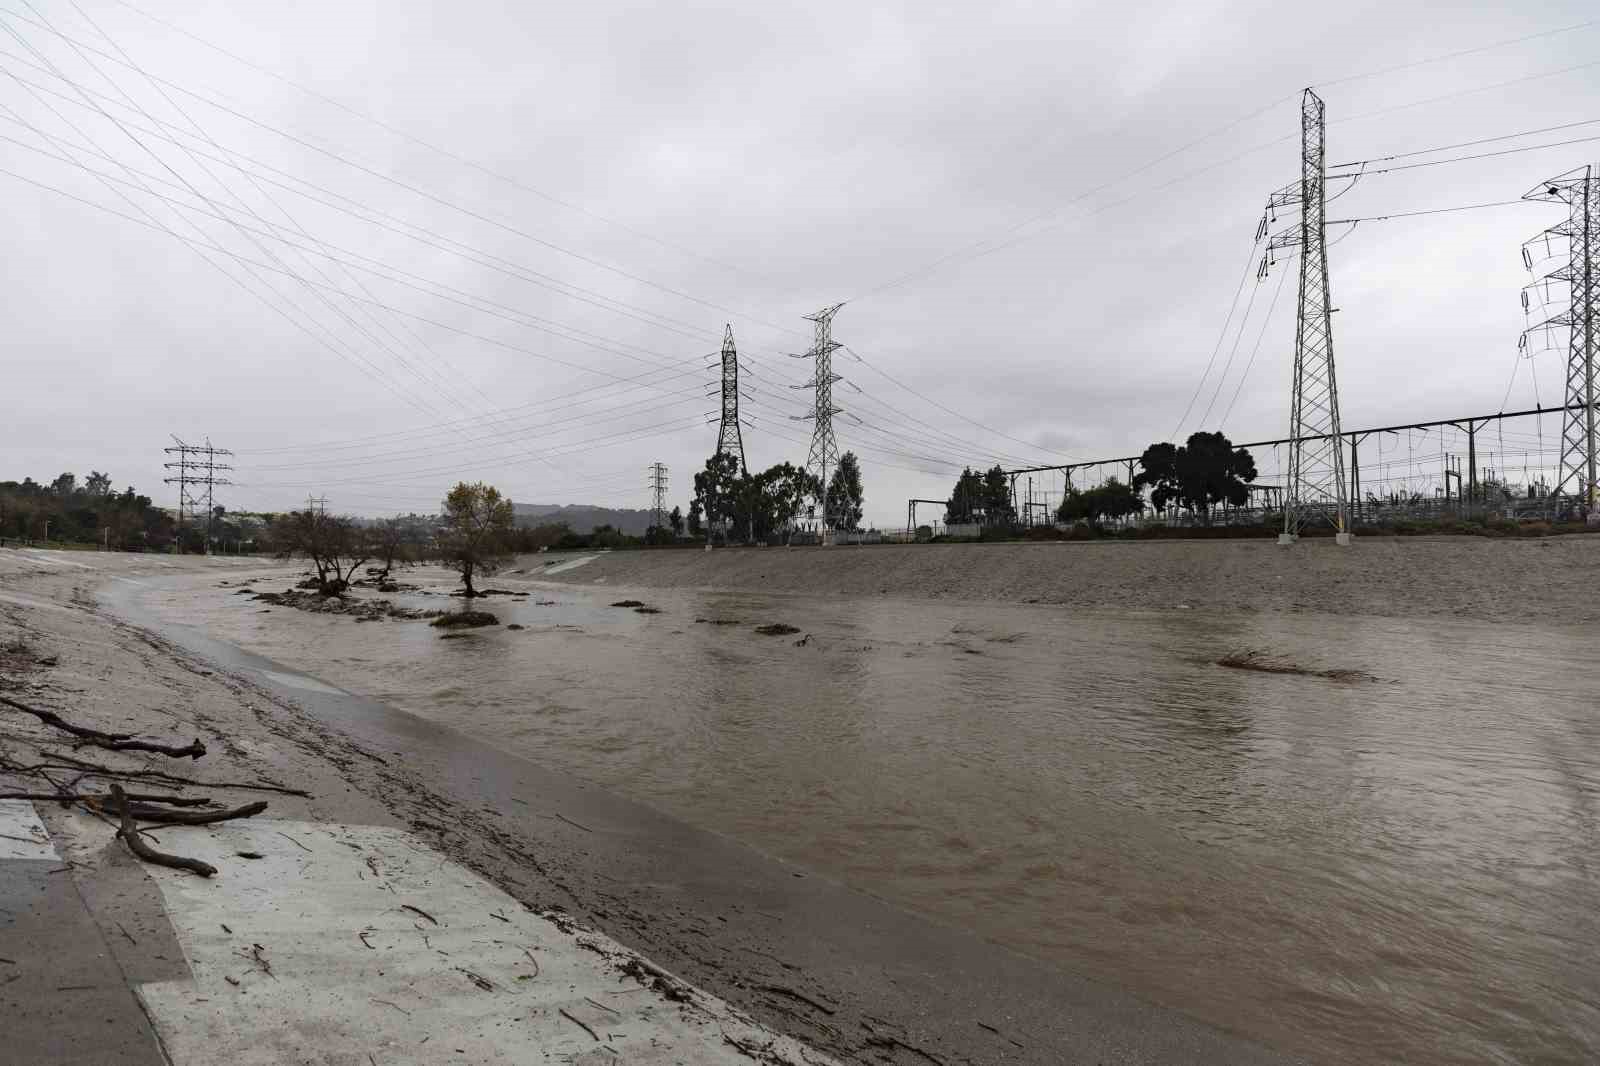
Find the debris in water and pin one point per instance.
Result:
(647, 610)
(1261, 663)
(628, 603)
(777, 629)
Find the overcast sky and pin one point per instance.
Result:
(619, 180)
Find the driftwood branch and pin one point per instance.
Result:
(95, 769)
(110, 741)
(160, 814)
(140, 847)
(83, 797)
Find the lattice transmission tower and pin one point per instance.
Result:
(196, 478)
(729, 439)
(824, 453)
(1316, 483)
(658, 493)
(1580, 191)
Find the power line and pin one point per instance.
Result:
(1463, 144)
(272, 301)
(977, 249)
(420, 142)
(1449, 55)
(1222, 334)
(947, 410)
(1256, 350)
(417, 190)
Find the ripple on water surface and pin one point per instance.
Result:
(1393, 868)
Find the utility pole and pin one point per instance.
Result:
(729, 439)
(196, 479)
(1580, 191)
(658, 492)
(824, 453)
(1316, 465)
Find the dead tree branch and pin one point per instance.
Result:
(97, 770)
(140, 847)
(110, 741)
(159, 814)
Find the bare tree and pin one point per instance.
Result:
(333, 544)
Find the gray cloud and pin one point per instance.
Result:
(803, 154)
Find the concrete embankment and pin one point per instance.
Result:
(1462, 577)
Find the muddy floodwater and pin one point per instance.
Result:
(1395, 863)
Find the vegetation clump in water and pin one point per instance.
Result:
(465, 620)
(777, 629)
(628, 603)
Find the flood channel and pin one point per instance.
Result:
(1400, 866)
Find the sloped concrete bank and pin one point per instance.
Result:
(1462, 577)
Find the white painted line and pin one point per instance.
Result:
(570, 564)
(29, 601)
(300, 681)
(466, 975)
(54, 560)
(22, 835)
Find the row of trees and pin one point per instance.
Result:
(90, 511)
(1198, 476)
(735, 505)
(473, 535)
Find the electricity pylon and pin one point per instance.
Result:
(1316, 481)
(197, 468)
(824, 453)
(729, 439)
(658, 493)
(1580, 191)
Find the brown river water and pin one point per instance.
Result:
(1394, 868)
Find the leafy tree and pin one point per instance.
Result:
(676, 520)
(750, 507)
(966, 499)
(773, 499)
(1112, 500)
(695, 525)
(983, 498)
(717, 492)
(845, 495)
(64, 485)
(1116, 500)
(98, 484)
(475, 531)
(998, 508)
(609, 536)
(1198, 475)
(1074, 507)
(333, 544)
(544, 535)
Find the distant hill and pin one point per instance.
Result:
(582, 517)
